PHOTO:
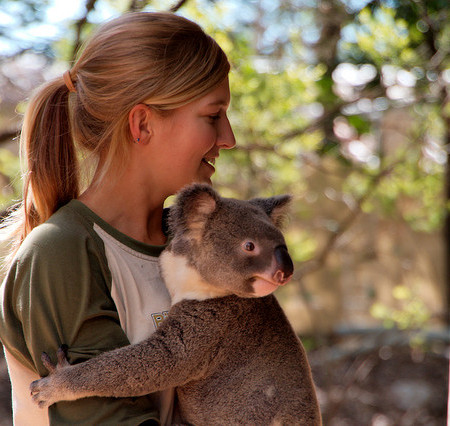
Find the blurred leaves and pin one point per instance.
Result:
(411, 312)
(9, 178)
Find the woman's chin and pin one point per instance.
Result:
(204, 178)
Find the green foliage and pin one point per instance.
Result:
(384, 38)
(9, 175)
(360, 123)
(302, 244)
(410, 313)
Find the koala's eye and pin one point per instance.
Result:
(249, 246)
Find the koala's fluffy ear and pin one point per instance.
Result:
(192, 207)
(276, 207)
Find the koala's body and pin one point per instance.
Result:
(226, 345)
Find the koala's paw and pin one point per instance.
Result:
(48, 390)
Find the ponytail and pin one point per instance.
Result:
(48, 153)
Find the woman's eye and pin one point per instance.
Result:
(214, 117)
(249, 246)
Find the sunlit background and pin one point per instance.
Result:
(344, 105)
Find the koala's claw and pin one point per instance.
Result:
(62, 355)
(39, 392)
(45, 358)
(43, 390)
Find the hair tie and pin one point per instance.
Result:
(68, 81)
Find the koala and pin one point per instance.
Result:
(226, 345)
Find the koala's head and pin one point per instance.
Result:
(234, 245)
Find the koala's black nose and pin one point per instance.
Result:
(285, 267)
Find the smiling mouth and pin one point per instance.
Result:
(210, 161)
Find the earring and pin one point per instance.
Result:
(137, 140)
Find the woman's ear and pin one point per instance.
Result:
(139, 120)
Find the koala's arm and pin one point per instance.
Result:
(176, 353)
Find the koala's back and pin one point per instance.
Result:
(257, 371)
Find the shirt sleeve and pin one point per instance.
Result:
(57, 292)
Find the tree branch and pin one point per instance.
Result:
(8, 135)
(137, 5)
(320, 259)
(178, 5)
(90, 4)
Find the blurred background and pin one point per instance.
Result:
(345, 105)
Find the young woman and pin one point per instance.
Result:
(146, 103)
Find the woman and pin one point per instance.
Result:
(146, 104)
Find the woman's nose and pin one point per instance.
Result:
(225, 139)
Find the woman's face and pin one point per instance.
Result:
(188, 140)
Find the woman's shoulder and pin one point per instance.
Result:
(65, 233)
(63, 249)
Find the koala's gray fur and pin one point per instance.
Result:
(233, 357)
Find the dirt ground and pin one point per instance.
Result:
(386, 385)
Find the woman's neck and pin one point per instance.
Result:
(132, 212)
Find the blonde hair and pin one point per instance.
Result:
(160, 59)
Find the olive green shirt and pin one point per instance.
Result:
(58, 291)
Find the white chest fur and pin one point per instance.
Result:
(184, 282)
